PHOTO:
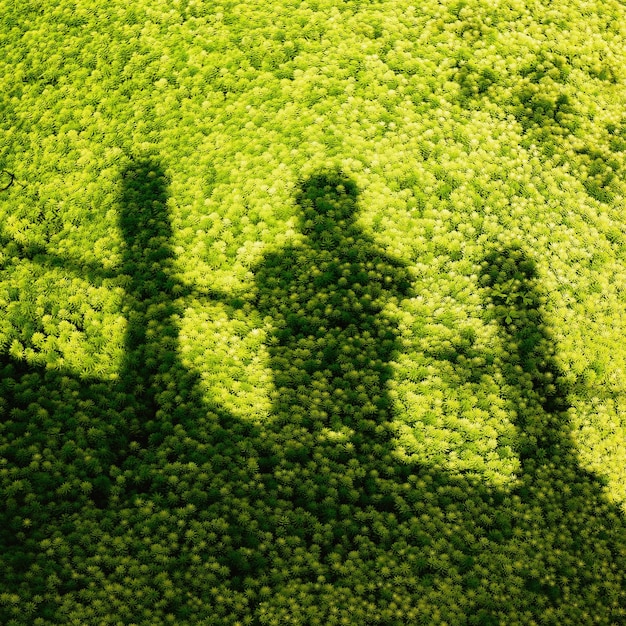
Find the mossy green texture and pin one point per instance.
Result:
(312, 313)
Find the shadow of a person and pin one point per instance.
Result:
(80, 451)
(332, 342)
(164, 391)
(325, 457)
(566, 540)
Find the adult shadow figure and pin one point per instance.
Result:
(326, 454)
(150, 307)
(80, 451)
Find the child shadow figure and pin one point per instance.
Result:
(332, 343)
(566, 539)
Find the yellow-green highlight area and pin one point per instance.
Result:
(312, 313)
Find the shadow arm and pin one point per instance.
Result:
(38, 254)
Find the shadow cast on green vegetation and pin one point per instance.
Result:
(132, 500)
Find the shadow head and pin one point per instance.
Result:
(146, 228)
(328, 203)
(143, 213)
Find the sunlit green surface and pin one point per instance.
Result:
(312, 313)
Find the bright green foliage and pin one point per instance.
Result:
(312, 313)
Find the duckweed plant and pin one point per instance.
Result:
(312, 313)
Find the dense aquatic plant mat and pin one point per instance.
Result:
(312, 313)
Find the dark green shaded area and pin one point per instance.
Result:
(128, 501)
